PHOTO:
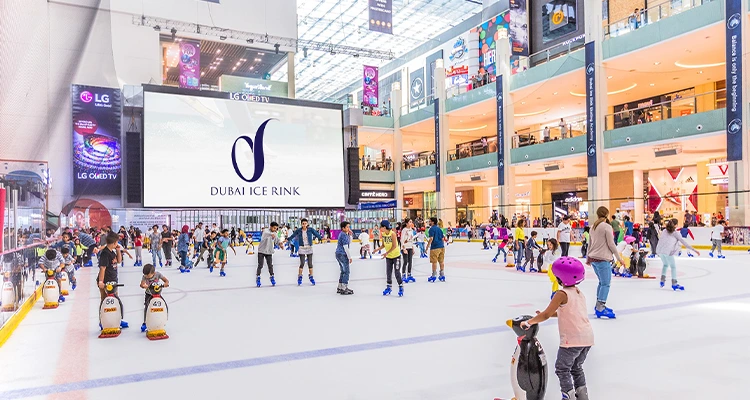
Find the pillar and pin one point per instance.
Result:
(598, 185)
(398, 146)
(502, 57)
(447, 195)
(640, 206)
(290, 75)
(739, 171)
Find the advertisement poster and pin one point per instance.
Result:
(437, 144)
(734, 79)
(431, 65)
(190, 64)
(590, 109)
(370, 86)
(381, 16)
(519, 28)
(246, 161)
(673, 190)
(97, 158)
(499, 97)
(489, 33)
(416, 88)
(559, 18)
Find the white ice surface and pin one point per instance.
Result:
(440, 341)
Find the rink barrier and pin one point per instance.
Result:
(9, 327)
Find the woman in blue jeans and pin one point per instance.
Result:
(344, 257)
(601, 251)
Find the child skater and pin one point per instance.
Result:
(487, 237)
(364, 245)
(68, 263)
(530, 246)
(150, 276)
(392, 257)
(576, 335)
(501, 249)
(220, 253)
(54, 261)
(685, 232)
(268, 241)
(420, 243)
(669, 245)
(586, 240)
(80, 251)
(138, 242)
(625, 248)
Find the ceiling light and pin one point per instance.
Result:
(203, 73)
(531, 113)
(262, 54)
(468, 129)
(484, 114)
(608, 93)
(218, 51)
(652, 84)
(238, 63)
(234, 68)
(609, 77)
(554, 94)
(157, 28)
(223, 37)
(257, 59)
(700, 72)
(657, 63)
(698, 66)
(523, 102)
(252, 68)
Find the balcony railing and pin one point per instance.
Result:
(573, 126)
(650, 15)
(672, 108)
(549, 54)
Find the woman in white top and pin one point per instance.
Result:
(364, 241)
(407, 249)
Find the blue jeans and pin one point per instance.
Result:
(603, 271)
(501, 250)
(183, 258)
(344, 264)
(519, 253)
(422, 251)
(154, 253)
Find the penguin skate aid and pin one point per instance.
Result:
(576, 334)
(156, 310)
(111, 312)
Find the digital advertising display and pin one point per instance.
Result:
(239, 150)
(97, 157)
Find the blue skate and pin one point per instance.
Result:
(273, 281)
(677, 287)
(431, 279)
(721, 256)
(532, 269)
(61, 299)
(257, 281)
(210, 269)
(690, 255)
(442, 278)
(222, 273)
(400, 291)
(387, 290)
(661, 284)
(143, 327)
(124, 325)
(607, 312)
(312, 280)
(520, 268)
(494, 260)
(711, 254)
(299, 280)
(411, 279)
(74, 286)
(626, 275)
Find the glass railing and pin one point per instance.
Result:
(473, 149)
(20, 278)
(572, 127)
(416, 105)
(422, 160)
(474, 83)
(547, 55)
(650, 15)
(668, 109)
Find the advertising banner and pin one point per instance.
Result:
(381, 16)
(97, 158)
(416, 88)
(2, 214)
(370, 86)
(519, 28)
(244, 142)
(734, 79)
(230, 83)
(437, 145)
(190, 64)
(377, 205)
(431, 65)
(499, 97)
(590, 109)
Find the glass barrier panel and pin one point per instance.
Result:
(668, 109)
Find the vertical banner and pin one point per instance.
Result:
(416, 88)
(370, 86)
(190, 64)
(591, 109)
(437, 145)
(519, 28)
(734, 79)
(97, 158)
(499, 94)
(431, 62)
(381, 16)
(2, 216)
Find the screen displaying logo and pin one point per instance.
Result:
(256, 149)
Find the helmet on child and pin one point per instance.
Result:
(569, 271)
(629, 239)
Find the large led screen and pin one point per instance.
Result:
(241, 151)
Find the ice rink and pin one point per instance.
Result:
(440, 341)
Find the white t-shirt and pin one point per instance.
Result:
(407, 238)
(364, 238)
(716, 232)
(564, 230)
(420, 237)
(625, 249)
(550, 257)
(199, 234)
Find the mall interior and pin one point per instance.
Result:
(134, 113)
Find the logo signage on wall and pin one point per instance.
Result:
(416, 88)
(97, 158)
(437, 145)
(591, 109)
(370, 85)
(376, 194)
(377, 205)
(499, 100)
(734, 79)
(381, 16)
(253, 86)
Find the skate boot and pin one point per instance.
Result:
(494, 260)
(210, 269)
(569, 395)
(74, 286)
(441, 278)
(299, 280)
(532, 269)
(89, 264)
(405, 278)
(346, 291)
(606, 312)
(143, 327)
(676, 286)
(401, 291)
(520, 268)
(257, 281)
(432, 279)
(182, 270)
(626, 275)
(679, 254)
(340, 288)
(711, 254)
(124, 325)
(312, 280)
(222, 273)
(370, 259)
(690, 255)
(61, 299)
(273, 281)
(721, 256)
(387, 290)
(411, 279)
(582, 393)
(160, 264)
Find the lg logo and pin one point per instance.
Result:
(87, 97)
(256, 147)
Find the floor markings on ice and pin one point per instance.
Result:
(305, 355)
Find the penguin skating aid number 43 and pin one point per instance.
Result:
(110, 312)
(528, 367)
(157, 314)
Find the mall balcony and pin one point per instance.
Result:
(550, 141)
(473, 156)
(669, 121)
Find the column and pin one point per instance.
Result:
(398, 146)
(290, 75)
(739, 171)
(598, 185)
(447, 195)
(638, 213)
(502, 57)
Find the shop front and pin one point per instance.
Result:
(573, 204)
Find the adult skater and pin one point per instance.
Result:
(155, 242)
(305, 237)
(198, 235)
(437, 250)
(344, 257)
(670, 242)
(268, 241)
(653, 237)
(563, 235)
(166, 244)
(600, 253)
(407, 247)
(717, 236)
(392, 257)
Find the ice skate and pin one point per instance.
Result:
(299, 280)
(143, 327)
(711, 254)
(401, 291)
(273, 281)
(222, 273)
(387, 290)
(432, 279)
(257, 281)
(411, 279)
(442, 278)
(606, 312)
(676, 286)
(312, 280)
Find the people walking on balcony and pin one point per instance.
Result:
(545, 134)
(563, 129)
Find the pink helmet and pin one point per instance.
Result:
(569, 271)
(629, 239)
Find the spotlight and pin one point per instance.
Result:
(250, 41)
(304, 52)
(174, 33)
(223, 37)
(356, 56)
(157, 28)
(276, 46)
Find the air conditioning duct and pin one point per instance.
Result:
(553, 167)
(667, 151)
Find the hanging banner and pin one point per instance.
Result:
(381, 16)
(519, 28)
(416, 88)
(430, 74)
(437, 145)
(500, 131)
(190, 64)
(370, 86)
(590, 109)
(2, 215)
(377, 205)
(97, 158)
(734, 79)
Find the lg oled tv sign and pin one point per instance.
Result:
(241, 152)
